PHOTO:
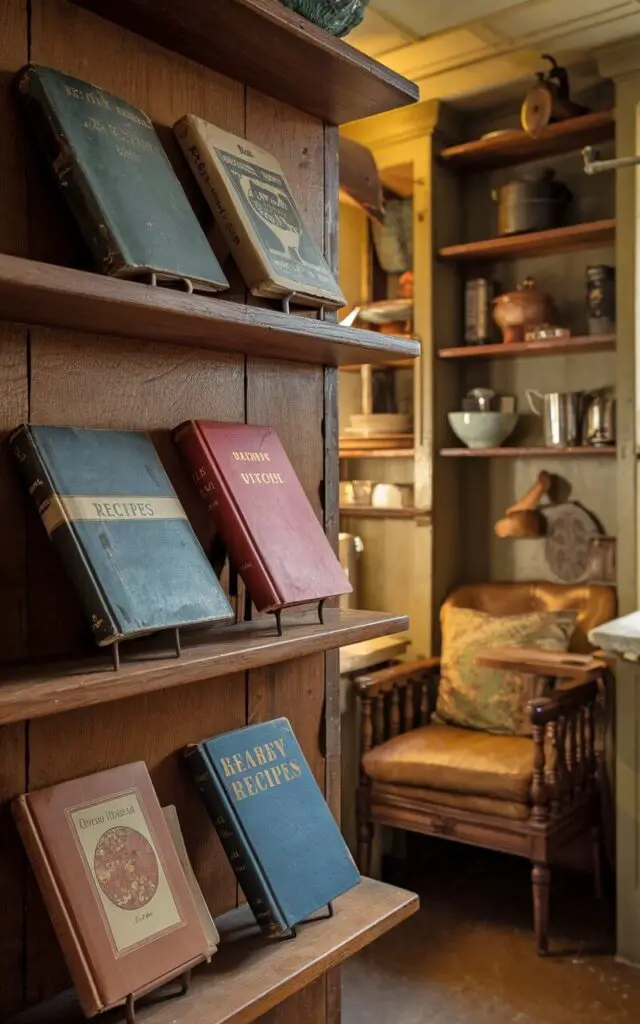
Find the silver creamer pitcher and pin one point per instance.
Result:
(561, 414)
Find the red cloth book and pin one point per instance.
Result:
(270, 531)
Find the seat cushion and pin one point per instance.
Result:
(419, 797)
(455, 760)
(492, 699)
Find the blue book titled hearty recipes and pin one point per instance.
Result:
(112, 513)
(273, 822)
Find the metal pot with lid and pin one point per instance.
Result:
(533, 202)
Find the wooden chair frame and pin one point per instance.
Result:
(563, 798)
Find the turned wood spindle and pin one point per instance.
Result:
(395, 712)
(424, 703)
(408, 707)
(379, 719)
(552, 771)
(538, 788)
(573, 749)
(367, 725)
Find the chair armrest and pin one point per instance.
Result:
(532, 661)
(384, 681)
(563, 702)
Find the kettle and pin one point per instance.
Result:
(599, 419)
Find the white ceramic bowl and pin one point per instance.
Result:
(483, 429)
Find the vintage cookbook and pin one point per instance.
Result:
(269, 529)
(112, 883)
(252, 203)
(117, 180)
(273, 822)
(111, 512)
(206, 919)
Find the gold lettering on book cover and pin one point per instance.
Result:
(278, 769)
(126, 872)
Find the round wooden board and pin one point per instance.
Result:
(569, 528)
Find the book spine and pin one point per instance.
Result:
(85, 984)
(245, 865)
(213, 491)
(107, 249)
(65, 539)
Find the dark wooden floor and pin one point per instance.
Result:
(468, 956)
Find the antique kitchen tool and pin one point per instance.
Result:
(532, 202)
(561, 414)
(570, 529)
(524, 520)
(599, 419)
(523, 308)
(548, 100)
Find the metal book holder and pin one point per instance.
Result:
(286, 306)
(130, 1005)
(278, 615)
(174, 633)
(292, 933)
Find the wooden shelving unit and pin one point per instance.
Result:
(248, 976)
(386, 364)
(83, 350)
(591, 235)
(516, 147)
(531, 452)
(33, 692)
(367, 512)
(376, 453)
(265, 45)
(551, 347)
(52, 296)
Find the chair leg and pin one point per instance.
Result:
(365, 840)
(540, 878)
(596, 839)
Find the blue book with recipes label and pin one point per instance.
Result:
(114, 517)
(273, 822)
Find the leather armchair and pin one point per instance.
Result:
(532, 796)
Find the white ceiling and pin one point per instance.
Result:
(454, 50)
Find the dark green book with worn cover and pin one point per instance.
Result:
(109, 508)
(117, 180)
(273, 822)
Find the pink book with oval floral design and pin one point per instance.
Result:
(112, 882)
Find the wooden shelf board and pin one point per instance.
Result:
(376, 453)
(250, 975)
(52, 296)
(518, 147)
(548, 347)
(270, 48)
(40, 690)
(590, 235)
(532, 452)
(369, 512)
(388, 364)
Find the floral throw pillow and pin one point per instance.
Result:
(493, 700)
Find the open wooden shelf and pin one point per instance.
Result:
(532, 452)
(37, 691)
(270, 48)
(388, 364)
(548, 347)
(249, 975)
(517, 147)
(376, 453)
(52, 296)
(591, 235)
(369, 512)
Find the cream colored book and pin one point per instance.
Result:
(253, 205)
(208, 924)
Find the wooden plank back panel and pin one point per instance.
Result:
(291, 399)
(13, 594)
